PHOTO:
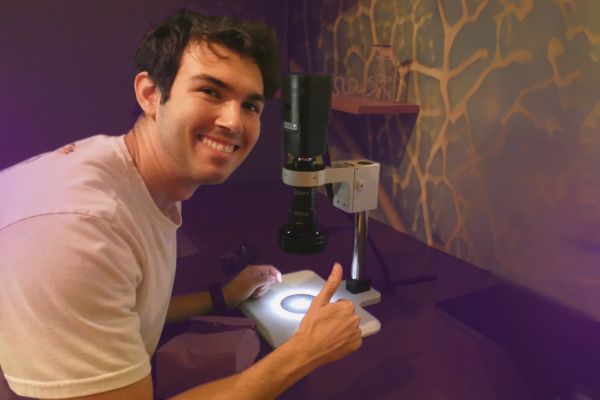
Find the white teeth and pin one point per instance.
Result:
(224, 148)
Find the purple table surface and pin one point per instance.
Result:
(449, 338)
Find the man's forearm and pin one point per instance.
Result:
(328, 332)
(266, 379)
(182, 308)
(254, 280)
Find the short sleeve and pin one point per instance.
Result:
(68, 325)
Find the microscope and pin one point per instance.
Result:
(354, 187)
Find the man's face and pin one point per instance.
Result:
(211, 121)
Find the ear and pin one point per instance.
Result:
(146, 93)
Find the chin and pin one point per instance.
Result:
(213, 174)
(216, 181)
(213, 179)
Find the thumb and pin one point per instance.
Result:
(333, 282)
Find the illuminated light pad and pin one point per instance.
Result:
(277, 313)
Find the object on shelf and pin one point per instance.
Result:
(362, 105)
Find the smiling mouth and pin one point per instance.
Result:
(213, 144)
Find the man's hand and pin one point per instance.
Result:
(329, 331)
(253, 281)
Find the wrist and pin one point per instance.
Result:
(227, 296)
(286, 365)
(217, 297)
(300, 348)
(231, 296)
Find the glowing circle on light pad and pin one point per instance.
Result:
(277, 307)
(297, 303)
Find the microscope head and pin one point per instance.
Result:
(306, 107)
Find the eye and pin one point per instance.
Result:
(252, 107)
(209, 91)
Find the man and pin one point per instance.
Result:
(87, 233)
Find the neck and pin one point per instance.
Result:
(162, 183)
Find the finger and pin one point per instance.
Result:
(333, 282)
(259, 292)
(261, 274)
(273, 273)
(347, 304)
(276, 273)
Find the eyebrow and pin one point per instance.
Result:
(225, 86)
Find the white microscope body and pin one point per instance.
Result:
(279, 312)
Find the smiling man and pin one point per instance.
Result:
(87, 232)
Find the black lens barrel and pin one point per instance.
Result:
(306, 108)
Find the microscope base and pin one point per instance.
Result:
(276, 324)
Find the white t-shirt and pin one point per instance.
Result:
(87, 262)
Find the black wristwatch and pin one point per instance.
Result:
(216, 295)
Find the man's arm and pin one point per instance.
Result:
(264, 380)
(141, 390)
(253, 281)
(328, 332)
(182, 308)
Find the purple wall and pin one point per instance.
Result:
(67, 72)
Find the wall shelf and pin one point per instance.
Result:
(365, 106)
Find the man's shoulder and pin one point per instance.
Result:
(83, 178)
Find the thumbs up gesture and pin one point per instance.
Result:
(329, 331)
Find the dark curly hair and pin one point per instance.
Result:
(161, 50)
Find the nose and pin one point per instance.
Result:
(230, 117)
